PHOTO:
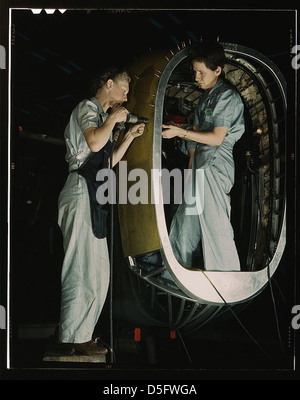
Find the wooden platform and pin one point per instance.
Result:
(56, 354)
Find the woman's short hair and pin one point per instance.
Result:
(211, 53)
(111, 73)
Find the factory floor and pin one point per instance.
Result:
(221, 351)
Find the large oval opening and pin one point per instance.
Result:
(163, 89)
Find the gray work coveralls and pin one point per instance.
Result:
(208, 221)
(86, 269)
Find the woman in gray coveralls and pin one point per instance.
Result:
(218, 124)
(85, 270)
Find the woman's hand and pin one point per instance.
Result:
(118, 113)
(170, 131)
(175, 124)
(133, 132)
(136, 130)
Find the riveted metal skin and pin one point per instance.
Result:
(138, 222)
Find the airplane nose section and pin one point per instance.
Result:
(145, 227)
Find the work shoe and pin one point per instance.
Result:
(67, 348)
(90, 348)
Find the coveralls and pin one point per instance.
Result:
(86, 269)
(208, 219)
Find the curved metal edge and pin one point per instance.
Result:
(261, 59)
(217, 287)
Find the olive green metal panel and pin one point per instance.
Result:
(138, 224)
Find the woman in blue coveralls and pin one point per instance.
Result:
(85, 270)
(218, 124)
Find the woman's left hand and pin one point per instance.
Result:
(170, 131)
(136, 130)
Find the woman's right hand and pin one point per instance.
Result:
(118, 113)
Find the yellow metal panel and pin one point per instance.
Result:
(138, 226)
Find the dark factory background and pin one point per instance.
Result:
(54, 57)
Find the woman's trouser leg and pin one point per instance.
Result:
(85, 271)
(218, 245)
(207, 221)
(185, 232)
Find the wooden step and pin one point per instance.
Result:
(54, 352)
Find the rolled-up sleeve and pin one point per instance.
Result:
(224, 109)
(88, 115)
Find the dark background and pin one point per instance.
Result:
(55, 56)
(53, 59)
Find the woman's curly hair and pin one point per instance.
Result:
(111, 73)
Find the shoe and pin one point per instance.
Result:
(90, 348)
(66, 348)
